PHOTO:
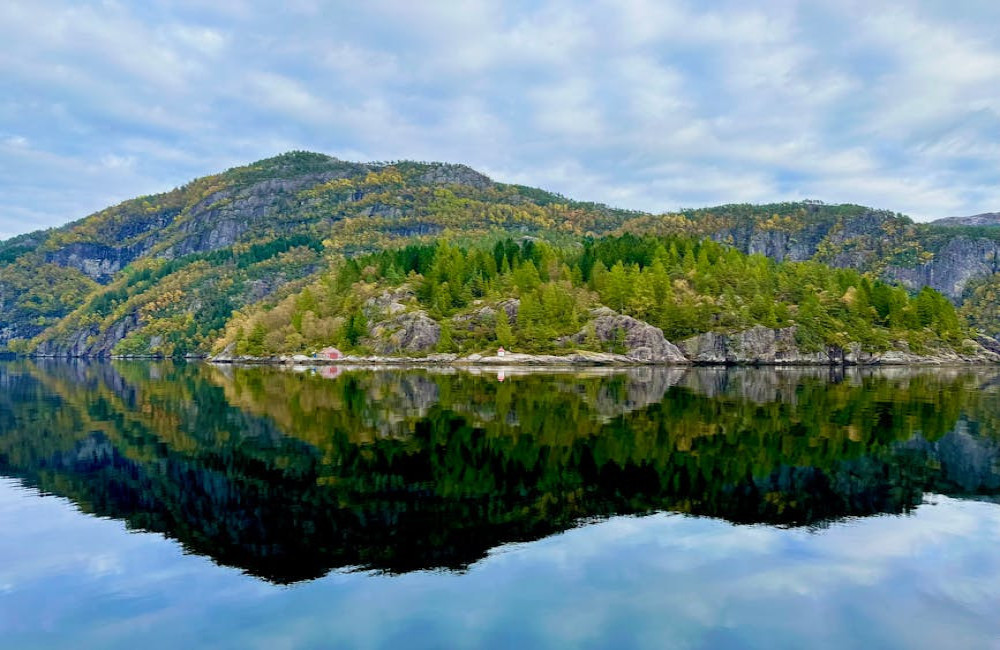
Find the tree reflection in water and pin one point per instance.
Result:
(290, 473)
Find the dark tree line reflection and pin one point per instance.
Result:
(288, 474)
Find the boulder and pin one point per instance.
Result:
(511, 308)
(988, 343)
(227, 355)
(409, 332)
(642, 341)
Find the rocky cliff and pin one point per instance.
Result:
(915, 255)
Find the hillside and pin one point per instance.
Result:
(182, 261)
(164, 274)
(627, 295)
(985, 219)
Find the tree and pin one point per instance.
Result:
(445, 342)
(357, 327)
(255, 342)
(504, 335)
(617, 291)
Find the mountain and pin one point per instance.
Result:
(226, 241)
(167, 274)
(987, 219)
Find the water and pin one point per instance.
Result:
(170, 506)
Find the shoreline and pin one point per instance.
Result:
(574, 360)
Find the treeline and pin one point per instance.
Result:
(681, 285)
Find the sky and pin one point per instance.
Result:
(652, 105)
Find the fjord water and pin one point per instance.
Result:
(174, 505)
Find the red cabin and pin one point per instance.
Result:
(330, 353)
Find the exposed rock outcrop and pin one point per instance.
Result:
(764, 346)
(448, 174)
(388, 303)
(760, 345)
(409, 332)
(97, 261)
(985, 219)
(860, 242)
(641, 341)
(960, 260)
(90, 342)
(511, 307)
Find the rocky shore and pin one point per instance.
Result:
(757, 346)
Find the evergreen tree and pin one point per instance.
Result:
(504, 335)
(445, 342)
(357, 328)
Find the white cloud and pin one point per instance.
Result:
(643, 104)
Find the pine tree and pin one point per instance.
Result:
(618, 289)
(445, 342)
(357, 327)
(504, 335)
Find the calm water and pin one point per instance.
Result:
(162, 505)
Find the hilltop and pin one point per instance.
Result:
(987, 219)
(180, 272)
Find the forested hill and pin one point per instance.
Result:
(166, 274)
(229, 240)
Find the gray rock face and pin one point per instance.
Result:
(484, 317)
(444, 174)
(776, 244)
(95, 260)
(985, 219)
(410, 332)
(643, 342)
(960, 260)
(90, 342)
(222, 218)
(774, 347)
(757, 345)
(511, 308)
(989, 344)
(229, 354)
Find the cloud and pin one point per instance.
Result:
(645, 105)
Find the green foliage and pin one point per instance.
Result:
(981, 305)
(681, 285)
(503, 333)
(446, 343)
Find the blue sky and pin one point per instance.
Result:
(652, 105)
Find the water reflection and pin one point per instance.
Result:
(288, 474)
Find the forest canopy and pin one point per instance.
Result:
(681, 285)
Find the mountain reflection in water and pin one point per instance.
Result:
(289, 473)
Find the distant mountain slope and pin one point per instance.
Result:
(985, 219)
(172, 268)
(887, 244)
